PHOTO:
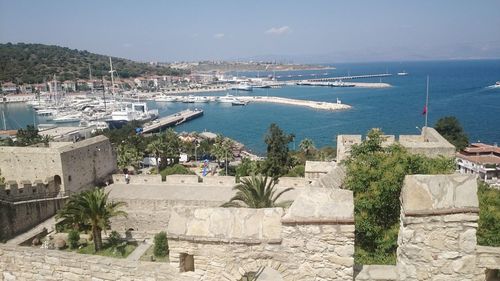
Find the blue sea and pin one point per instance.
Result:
(458, 88)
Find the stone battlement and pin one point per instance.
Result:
(429, 143)
(23, 190)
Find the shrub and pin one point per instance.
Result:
(161, 244)
(114, 239)
(73, 238)
(176, 169)
(297, 171)
(489, 216)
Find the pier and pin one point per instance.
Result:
(349, 77)
(171, 120)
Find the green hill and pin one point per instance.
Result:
(32, 63)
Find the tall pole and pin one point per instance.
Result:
(427, 102)
(91, 82)
(112, 78)
(104, 94)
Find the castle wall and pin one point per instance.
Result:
(27, 263)
(313, 241)
(29, 163)
(87, 163)
(437, 237)
(16, 218)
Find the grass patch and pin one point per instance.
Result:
(150, 252)
(107, 250)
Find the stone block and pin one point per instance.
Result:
(427, 193)
(322, 204)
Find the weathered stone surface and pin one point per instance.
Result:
(321, 203)
(227, 223)
(425, 193)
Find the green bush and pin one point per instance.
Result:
(176, 169)
(297, 171)
(73, 238)
(161, 244)
(375, 174)
(488, 231)
(114, 239)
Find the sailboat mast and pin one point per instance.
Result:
(112, 78)
(91, 82)
(4, 121)
(427, 102)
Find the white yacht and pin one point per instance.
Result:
(165, 98)
(133, 111)
(243, 86)
(227, 99)
(403, 73)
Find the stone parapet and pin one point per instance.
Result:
(376, 273)
(27, 263)
(437, 236)
(138, 179)
(182, 179)
(219, 180)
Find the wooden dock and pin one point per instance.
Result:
(171, 120)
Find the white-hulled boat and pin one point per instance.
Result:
(227, 99)
(402, 73)
(243, 86)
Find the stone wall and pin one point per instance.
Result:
(18, 217)
(77, 165)
(138, 179)
(437, 237)
(314, 240)
(27, 263)
(429, 143)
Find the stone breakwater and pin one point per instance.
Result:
(312, 104)
(370, 85)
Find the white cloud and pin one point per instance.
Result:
(279, 30)
(218, 35)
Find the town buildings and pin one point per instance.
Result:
(481, 159)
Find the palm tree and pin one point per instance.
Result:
(257, 192)
(172, 146)
(92, 208)
(156, 147)
(306, 145)
(127, 155)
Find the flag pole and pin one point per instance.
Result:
(427, 102)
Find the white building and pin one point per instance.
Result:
(482, 160)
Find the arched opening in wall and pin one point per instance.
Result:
(57, 182)
(262, 274)
(186, 262)
(492, 275)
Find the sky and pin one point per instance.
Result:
(311, 31)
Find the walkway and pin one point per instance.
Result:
(49, 224)
(139, 251)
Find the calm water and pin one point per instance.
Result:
(457, 88)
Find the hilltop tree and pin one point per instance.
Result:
(449, 127)
(278, 161)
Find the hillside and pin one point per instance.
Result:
(32, 63)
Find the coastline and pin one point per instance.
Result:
(311, 104)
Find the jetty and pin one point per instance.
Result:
(350, 77)
(312, 104)
(171, 120)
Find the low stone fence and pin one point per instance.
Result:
(219, 180)
(295, 182)
(182, 179)
(28, 263)
(138, 179)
